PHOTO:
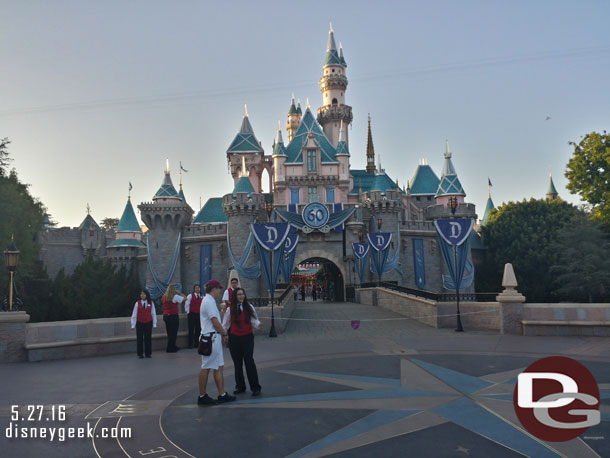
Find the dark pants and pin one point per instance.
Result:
(171, 326)
(194, 329)
(242, 352)
(144, 338)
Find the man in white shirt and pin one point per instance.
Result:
(227, 296)
(210, 325)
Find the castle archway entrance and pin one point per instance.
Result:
(320, 279)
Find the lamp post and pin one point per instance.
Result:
(11, 259)
(272, 332)
(453, 204)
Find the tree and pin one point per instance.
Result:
(588, 173)
(582, 270)
(522, 233)
(96, 289)
(4, 156)
(110, 223)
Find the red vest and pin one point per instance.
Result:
(230, 290)
(241, 328)
(169, 308)
(144, 313)
(195, 306)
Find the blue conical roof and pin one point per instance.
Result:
(245, 141)
(424, 181)
(293, 109)
(332, 55)
(450, 184)
(342, 149)
(488, 208)
(278, 148)
(89, 223)
(551, 191)
(243, 185)
(181, 194)
(128, 221)
(167, 190)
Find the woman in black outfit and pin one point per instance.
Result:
(240, 319)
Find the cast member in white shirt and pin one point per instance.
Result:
(240, 319)
(210, 326)
(144, 318)
(228, 295)
(192, 308)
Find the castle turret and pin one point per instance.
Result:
(92, 239)
(294, 119)
(551, 192)
(246, 146)
(165, 218)
(128, 237)
(450, 184)
(333, 85)
(279, 172)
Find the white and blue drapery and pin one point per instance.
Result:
(361, 251)
(419, 266)
(160, 286)
(455, 234)
(270, 240)
(393, 261)
(380, 242)
(290, 252)
(240, 264)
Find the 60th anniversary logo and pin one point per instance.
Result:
(557, 399)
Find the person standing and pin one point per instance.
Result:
(240, 319)
(303, 292)
(192, 308)
(314, 291)
(144, 318)
(170, 301)
(211, 326)
(228, 295)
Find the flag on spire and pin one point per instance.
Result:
(182, 168)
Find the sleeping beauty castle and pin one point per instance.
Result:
(328, 204)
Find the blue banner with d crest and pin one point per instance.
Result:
(455, 233)
(290, 252)
(361, 251)
(380, 242)
(270, 239)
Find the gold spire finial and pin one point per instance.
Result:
(88, 209)
(167, 166)
(245, 110)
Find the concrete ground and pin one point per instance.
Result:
(343, 380)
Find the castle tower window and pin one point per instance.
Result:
(312, 194)
(311, 161)
(294, 196)
(330, 195)
(334, 101)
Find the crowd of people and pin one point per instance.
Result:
(313, 292)
(230, 322)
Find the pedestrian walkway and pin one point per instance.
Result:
(384, 387)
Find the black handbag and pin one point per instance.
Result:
(205, 345)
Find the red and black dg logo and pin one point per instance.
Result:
(556, 399)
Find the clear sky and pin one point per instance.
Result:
(95, 94)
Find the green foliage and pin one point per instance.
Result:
(109, 223)
(588, 173)
(96, 289)
(21, 216)
(582, 271)
(523, 234)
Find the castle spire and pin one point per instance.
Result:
(450, 184)
(551, 192)
(342, 149)
(370, 150)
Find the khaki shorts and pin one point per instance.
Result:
(216, 359)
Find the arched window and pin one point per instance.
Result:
(334, 101)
